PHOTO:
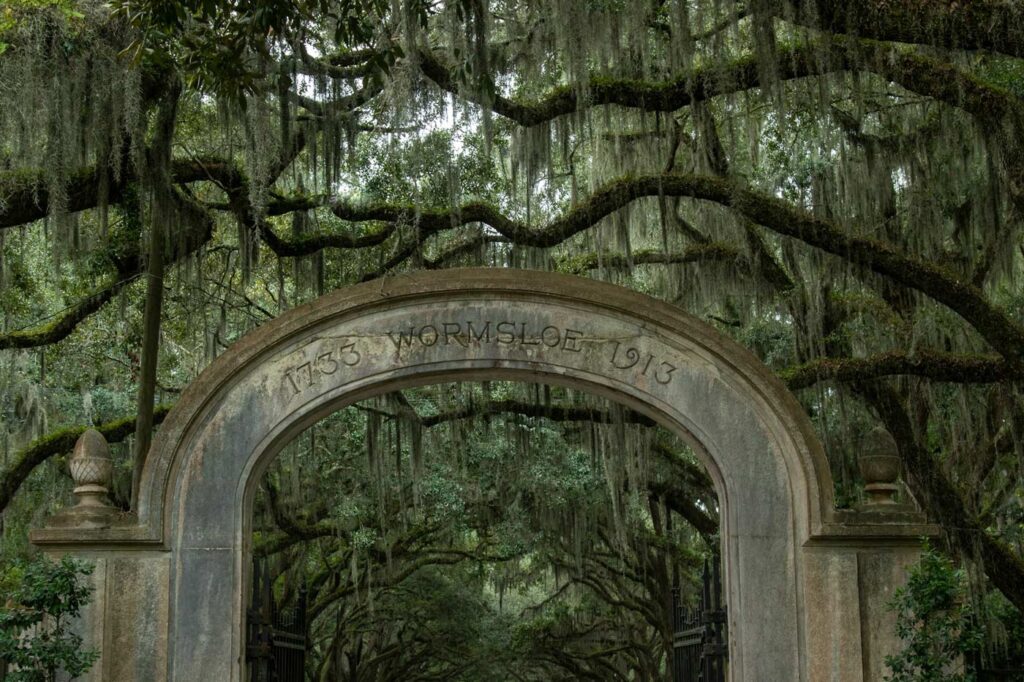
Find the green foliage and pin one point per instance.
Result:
(439, 168)
(936, 623)
(43, 596)
(224, 45)
(1004, 634)
(14, 12)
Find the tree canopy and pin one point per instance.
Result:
(839, 186)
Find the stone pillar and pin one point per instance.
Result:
(849, 580)
(853, 568)
(126, 618)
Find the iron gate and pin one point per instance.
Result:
(276, 637)
(699, 647)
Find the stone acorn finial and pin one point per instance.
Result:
(880, 464)
(92, 471)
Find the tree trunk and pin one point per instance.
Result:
(159, 174)
(150, 350)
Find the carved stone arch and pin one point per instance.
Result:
(805, 584)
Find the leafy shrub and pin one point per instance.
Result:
(935, 621)
(41, 599)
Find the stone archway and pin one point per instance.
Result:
(806, 585)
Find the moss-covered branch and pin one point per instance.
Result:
(603, 202)
(25, 194)
(65, 323)
(698, 85)
(941, 80)
(312, 243)
(1004, 334)
(939, 366)
(59, 443)
(701, 253)
(196, 230)
(341, 105)
(996, 25)
(468, 247)
(997, 110)
(925, 75)
(708, 252)
(947, 287)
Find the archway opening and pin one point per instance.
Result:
(483, 530)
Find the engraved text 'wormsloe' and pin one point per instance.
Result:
(346, 354)
(505, 333)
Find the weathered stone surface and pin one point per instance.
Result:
(770, 473)
(137, 645)
(833, 616)
(127, 617)
(880, 573)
